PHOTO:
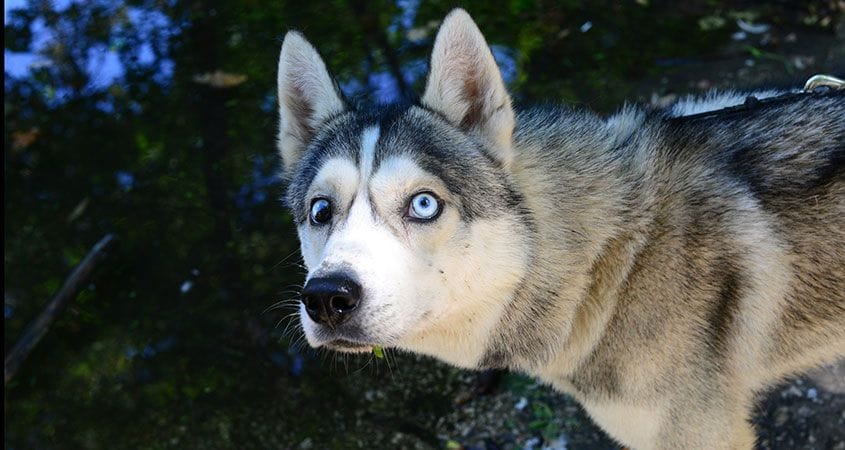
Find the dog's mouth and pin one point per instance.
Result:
(344, 345)
(348, 338)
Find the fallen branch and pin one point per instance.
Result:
(71, 287)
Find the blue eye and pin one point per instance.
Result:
(321, 211)
(424, 206)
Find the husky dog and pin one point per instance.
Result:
(661, 267)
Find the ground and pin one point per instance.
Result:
(418, 403)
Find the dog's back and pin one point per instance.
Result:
(788, 158)
(717, 257)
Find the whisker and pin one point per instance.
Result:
(387, 361)
(291, 302)
(292, 326)
(283, 260)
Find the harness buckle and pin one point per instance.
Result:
(823, 81)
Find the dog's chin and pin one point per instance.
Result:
(347, 346)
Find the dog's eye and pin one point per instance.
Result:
(321, 211)
(424, 206)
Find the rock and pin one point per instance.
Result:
(792, 391)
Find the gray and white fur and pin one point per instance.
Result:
(661, 268)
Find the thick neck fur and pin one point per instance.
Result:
(579, 175)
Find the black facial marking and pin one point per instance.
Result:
(452, 156)
(339, 137)
(438, 147)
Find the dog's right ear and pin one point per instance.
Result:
(465, 85)
(307, 97)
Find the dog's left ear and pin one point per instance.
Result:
(465, 85)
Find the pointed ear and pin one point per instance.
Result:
(307, 97)
(465, 84)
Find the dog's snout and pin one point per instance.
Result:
(331, 300)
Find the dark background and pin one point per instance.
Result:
(155, 121)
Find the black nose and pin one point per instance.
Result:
(331, 300)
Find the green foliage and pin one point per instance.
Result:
(544, 421)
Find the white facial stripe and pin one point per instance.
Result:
(368, 149)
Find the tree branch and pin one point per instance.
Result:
(368, 20)
(38, 327)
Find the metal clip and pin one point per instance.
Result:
(827, 81)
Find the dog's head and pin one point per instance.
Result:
(411, 230)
